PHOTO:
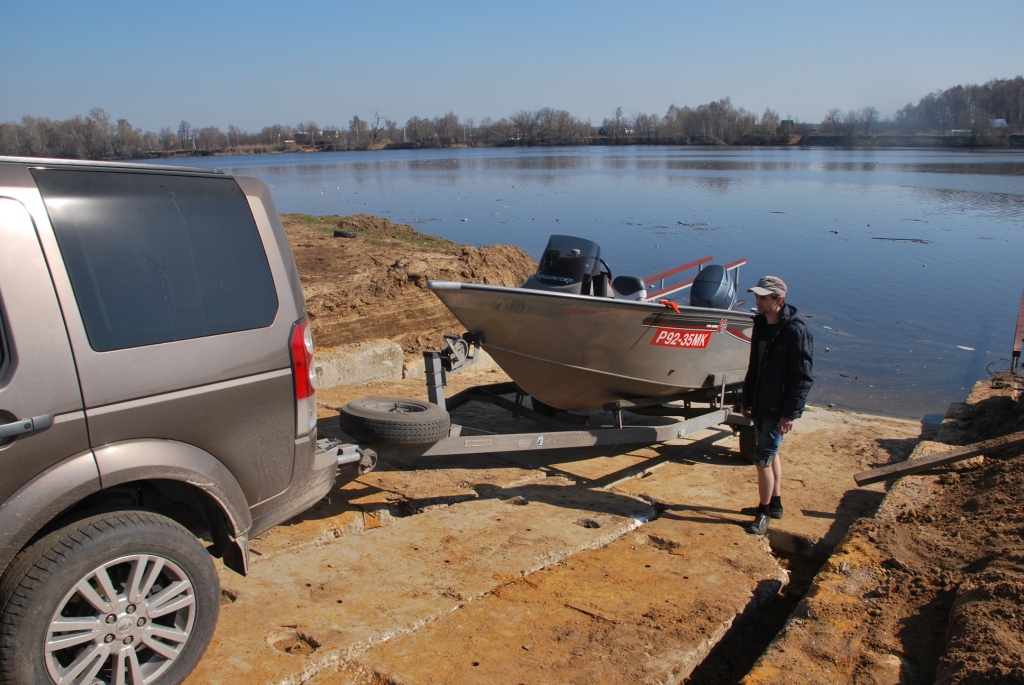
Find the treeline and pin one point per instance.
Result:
(972, 109)
(975, 109)
(967, 107)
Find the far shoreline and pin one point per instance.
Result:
(1014, 141)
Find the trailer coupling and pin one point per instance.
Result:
(348, 453)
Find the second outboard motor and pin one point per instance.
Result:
(713, 288)
(568, 265)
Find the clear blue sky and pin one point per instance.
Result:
(256, 63)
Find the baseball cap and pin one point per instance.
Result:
(769, 285)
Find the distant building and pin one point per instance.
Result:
(317, 136)
(786, 127)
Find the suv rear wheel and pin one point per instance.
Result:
(123, 597)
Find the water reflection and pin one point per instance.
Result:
(719, 185)
(991, 169)
(1002, 205)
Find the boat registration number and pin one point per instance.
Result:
(669, 337)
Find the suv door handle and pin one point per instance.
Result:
(25, 426)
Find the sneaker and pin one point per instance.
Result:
(759, 526)
(774, 510)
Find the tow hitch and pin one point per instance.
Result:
(348, 453)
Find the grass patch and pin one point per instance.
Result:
(372, 229)
(327, 224)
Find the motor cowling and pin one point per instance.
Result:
(569, 265)
(713, 288)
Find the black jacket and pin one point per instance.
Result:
(777, 384)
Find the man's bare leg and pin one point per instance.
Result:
(766, 484)
(777, 475)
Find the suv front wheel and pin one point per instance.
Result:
(122, 597)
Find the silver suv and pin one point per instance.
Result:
(157, 408)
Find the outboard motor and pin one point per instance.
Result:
(713, 288)
(570, 265)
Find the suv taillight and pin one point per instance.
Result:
(303, 378)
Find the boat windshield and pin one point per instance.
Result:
(567, 260)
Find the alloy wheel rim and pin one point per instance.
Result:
(123, 623)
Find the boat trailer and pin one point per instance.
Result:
(718, 407)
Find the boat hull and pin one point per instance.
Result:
(579, 353)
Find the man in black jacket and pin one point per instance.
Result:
(775, 389)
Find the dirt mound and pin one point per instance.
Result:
(931, 590)
(375, 285)
(949, 568)
(980, 562)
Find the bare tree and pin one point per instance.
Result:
(420, 130)
(127, 141)
(377, 126)
(869, 117)
(833, 120)
(274, 135)
(185, 134)
(981, 126)
(447, 127)
(210, 138)
(527, 123)
(770, 121)
(167, 138)
(358, 128)
(311, 129)
(97, 133)
(851, 120)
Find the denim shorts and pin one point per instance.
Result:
(769, 437)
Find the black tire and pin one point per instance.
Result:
(41, 587)
(346, 234)
(395, 421)
(748, 441)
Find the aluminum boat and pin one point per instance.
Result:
(575, 338)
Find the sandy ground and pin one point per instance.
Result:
(626, 564)
(602, 565)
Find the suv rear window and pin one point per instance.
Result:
(155, 258)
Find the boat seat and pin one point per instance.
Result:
(629, 288)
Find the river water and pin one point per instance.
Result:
(908, 262)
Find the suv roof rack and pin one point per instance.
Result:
(52, 161)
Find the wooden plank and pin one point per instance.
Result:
(932, 460)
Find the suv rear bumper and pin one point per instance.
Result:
(312, 478)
